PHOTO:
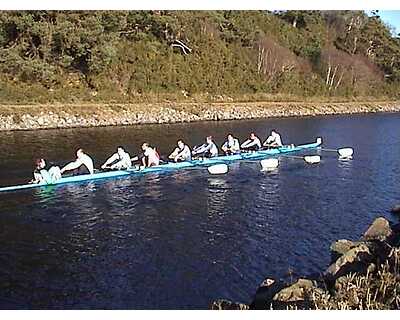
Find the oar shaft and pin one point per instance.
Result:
(294, 157)
(329, 150)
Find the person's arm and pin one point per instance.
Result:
(200, 149)
(245, 144)
(110, 160)
(182, 154)
(72, 166)
(37, 178)
(174, 154)
(251, 143)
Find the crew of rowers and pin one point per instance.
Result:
(121, 159)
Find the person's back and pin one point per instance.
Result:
(82, 165)
(151, 155)
(274, 140)
(213, 149)
(278, 139)
(87, 162)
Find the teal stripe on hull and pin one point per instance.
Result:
(170, 166)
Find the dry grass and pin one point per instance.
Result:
(379, 290)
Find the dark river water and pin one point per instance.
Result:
(181, 239)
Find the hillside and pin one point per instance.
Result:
(140, 56)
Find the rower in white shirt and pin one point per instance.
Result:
(252, 144)
(206, 150)
(82, 165)
(121, 160)
(181, 152)
(231, 145)
(274, 140)
(150, 156)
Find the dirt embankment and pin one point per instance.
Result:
(30, 117)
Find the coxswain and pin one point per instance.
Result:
(42, 175)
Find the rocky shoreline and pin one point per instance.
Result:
(363, 274)
(31, 117)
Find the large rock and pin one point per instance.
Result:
(298, 295)
(222, 304)
(265, 293)
(379, 230)
(356, 259)
(340, 247)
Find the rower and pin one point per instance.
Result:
(231, 145)
(120, 160)
(181, 152)
(150, 156)
(252, 144)
(207, 150)
(42, 175)
(274, 140)
(82, 165)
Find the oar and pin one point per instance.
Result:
(308, 159)
(346, 153)
(221, 168)
(269, 164)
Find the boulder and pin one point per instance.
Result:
(356, 259)
(295, 292)
(299, 295)
(340, 247)
(265, 294)
(378, 230)
(222, 304)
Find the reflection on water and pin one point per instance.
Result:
(218, 195)
(183, 238)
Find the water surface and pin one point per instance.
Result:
(181, 239)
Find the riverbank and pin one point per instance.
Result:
(363, 275)
(31, 117)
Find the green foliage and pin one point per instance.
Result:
(122, 55)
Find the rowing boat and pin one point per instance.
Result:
(258, 155)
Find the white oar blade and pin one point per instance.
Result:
(268, 164)
(312, 159)
(345, 152)
(218, 169)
